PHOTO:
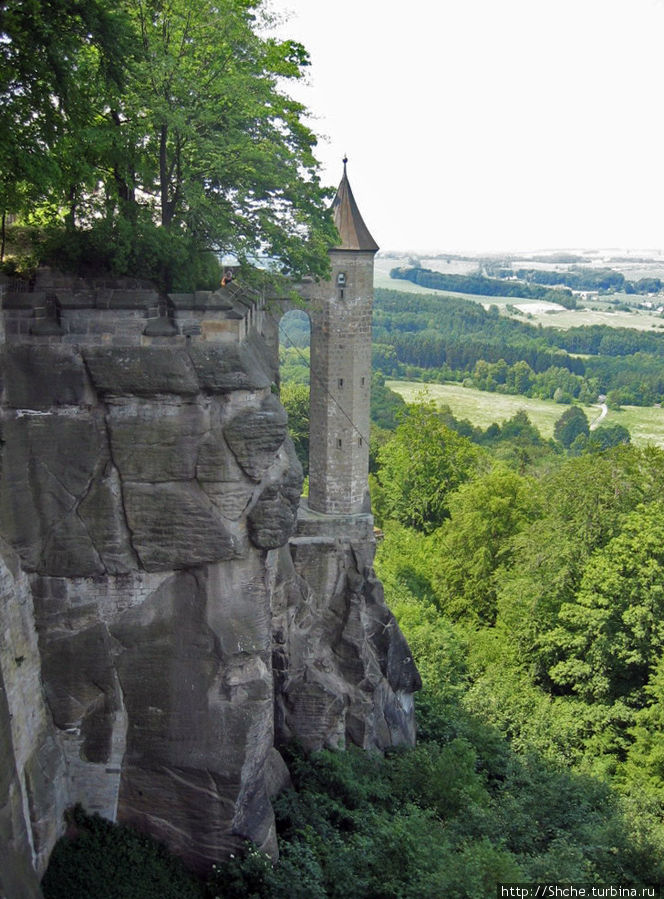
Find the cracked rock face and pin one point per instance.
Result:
(343, 670)
(150, 605)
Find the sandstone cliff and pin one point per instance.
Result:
(169, 613)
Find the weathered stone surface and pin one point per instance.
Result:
(81, 687)
(156, 441)
(225, 367)
(338, 680)
(150, 493)
(160, 327)
(49, 464)
(272, 519)
(32, 794)
(38, 377)
(102, 513)
(17, 874)
(175, 525)
(141, 371)
(199, 705)
(255, 435)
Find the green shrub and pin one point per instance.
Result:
(108, 861)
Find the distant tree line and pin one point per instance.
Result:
(579, 278)
(488, 287)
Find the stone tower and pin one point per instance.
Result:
(341, 367)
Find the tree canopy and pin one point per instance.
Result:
(421, 465)
(164, 130)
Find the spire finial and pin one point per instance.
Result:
(345, 160)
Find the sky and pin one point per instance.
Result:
(490, 125)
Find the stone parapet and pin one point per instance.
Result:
(73, 312)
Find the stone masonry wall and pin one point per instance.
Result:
(341, 387)
(169, 615)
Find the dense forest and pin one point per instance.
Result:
(531, 283)
(444, 338)
(587, 279)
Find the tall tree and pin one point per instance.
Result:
(193, 144)
(475, 542)
(420, 467)
(571, 424)
(54, 58)
(608, 639)
(227, 157)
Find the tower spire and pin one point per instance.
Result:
(353, 232)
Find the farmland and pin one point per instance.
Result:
(645, 424)
(599, 310)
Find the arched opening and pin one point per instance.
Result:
(294, 378)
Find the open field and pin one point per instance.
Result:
(645, 424)
(532, 311)
(640, 320)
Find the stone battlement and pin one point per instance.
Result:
(59, 309)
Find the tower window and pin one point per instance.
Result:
(339, 443)
(359, 441)
(341, 382)
(362, 382)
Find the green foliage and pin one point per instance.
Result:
(386, 405)
(473, 545)
(643, 770)
(165, 114)
(295, 400)
(119, 246)
(609, 637)
(294, 365)
(420, 466)
(571, 424)
(602, 438)
(57, 60)
(448, 338)
(580, 278)
(98, 858)
(483, 286)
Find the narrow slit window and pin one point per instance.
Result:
(362, 382)
(359, 441)
(338, 442)
(341, 382)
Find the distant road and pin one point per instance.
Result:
(604, 409)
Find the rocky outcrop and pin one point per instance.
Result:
(167, 616)
(343, 670)
(32, 777)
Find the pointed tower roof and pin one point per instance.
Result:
(353, 232)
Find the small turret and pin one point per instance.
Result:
(341, 367)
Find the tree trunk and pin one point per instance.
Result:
(166, 211)
(70, 220)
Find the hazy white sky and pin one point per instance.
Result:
(491, 124)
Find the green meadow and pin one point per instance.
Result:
(481, 408)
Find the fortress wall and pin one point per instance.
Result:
(178, 616)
